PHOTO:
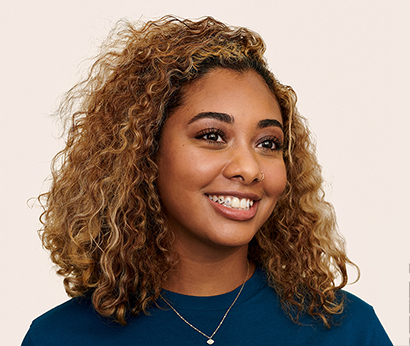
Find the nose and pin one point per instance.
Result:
(243, 166)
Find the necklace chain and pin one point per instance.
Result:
(210, 340)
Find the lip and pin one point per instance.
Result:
(238, 194)
(235, 214)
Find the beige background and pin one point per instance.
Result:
(348, 62)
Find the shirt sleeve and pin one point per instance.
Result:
(27, 340)
(379, 335)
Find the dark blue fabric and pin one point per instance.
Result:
(256, 319)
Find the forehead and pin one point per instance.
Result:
(232, 92)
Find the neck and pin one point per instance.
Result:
(209, 275)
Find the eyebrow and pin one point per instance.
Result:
(226, 118)
(269, 122)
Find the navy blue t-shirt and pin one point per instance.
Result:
(256, 319)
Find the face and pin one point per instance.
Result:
(213, 149)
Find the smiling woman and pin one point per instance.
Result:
(187, 204)
(221, 152)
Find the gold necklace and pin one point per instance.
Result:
(210, 341)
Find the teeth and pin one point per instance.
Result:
(235, 202)
(232, 202)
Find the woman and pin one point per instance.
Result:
(187, 205)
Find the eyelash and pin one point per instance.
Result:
(218, 132)
(278, 145)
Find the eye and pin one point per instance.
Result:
(214, 136)
(268, 144)
(271, 143)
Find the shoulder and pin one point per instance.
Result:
(357, 324)
(359, 321)
(76, 307)
(353, 305)
(77, 315)
(356, 310)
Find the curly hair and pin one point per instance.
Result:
(103, 222)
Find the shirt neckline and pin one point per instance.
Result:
(218, 302)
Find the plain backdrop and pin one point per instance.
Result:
(347, 61)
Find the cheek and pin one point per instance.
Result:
(277, 180)
(182, 176)
(182, 170)
(171, 187)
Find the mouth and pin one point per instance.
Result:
(239, 208)
(232, 201)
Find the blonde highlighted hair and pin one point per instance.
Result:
(103, 222)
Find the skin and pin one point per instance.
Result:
(227, 130)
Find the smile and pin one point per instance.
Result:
(232, 202)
